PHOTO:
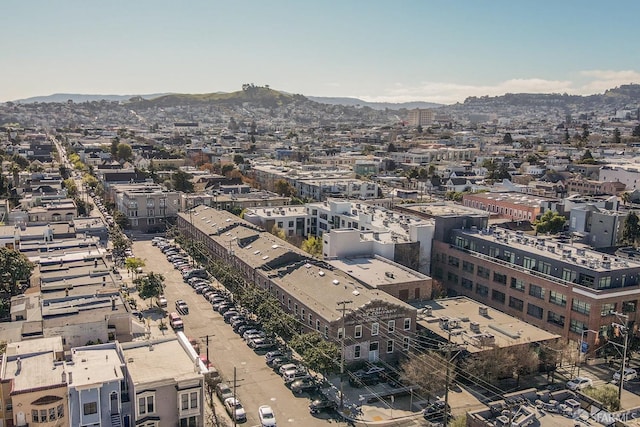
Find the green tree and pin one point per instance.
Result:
(15, 268)
(566, 136)
(278, 232)
(226, 169)
(90, 181)
(313, 246)
(133, 264)
(319, 354)
(550, 222)
(606, 394)
(631, 229)
(238, 159)
(283, 188)
(625, 197)
(151, 286)
(616, 136)
(124, 151)
(391, 148)
(426, 371)
(182, 181)
(120, 219)
(507, 139)
(114, 147)
(70, 185)
(585, 132)
(120, 242)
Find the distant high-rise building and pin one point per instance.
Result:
(420, 117)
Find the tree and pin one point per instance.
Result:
(566, 136)
(238, 159)
(319, 354)
(70, 185)
(625, 197)
(391, 148)
(550, 222)
(606, 394)
(585, 132)
(313, 246)
(278, 232)
(133, 264)
(120, 219)
(507, 139)
(114, 147)
(426, 371)
(616, 136)
(119, 241)
(124, 151)
(283, 188)
(90, 181)
(226, 169)
(15, 268)
(631, 229)
(636, 132)
(151, 286)
(182, 181)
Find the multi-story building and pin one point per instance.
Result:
(292, 220)
(561, 287)
(629, 175)
(581, 185)
(379, 326)
(420, 117)
(598, 228)
(230, 201)
(515, 206)
(424, 156)
(147, 206)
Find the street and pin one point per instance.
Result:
(256, 383)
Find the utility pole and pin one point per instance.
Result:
(234, 396)
(344, 332)
(624, 329)
(445, 418)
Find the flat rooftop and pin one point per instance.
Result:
(443, 209)
(551, 247)
(477, 331)
(158, 361)
(95, 365)
(377, 271)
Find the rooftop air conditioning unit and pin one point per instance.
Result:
(475, 327)
(483, 311)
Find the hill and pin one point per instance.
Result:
(78, 97)
(375, 105)
(256, 95)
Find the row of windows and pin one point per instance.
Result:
(374, 346)
(375, 328)
(48, 415)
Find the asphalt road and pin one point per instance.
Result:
(256, 383)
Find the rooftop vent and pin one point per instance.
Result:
(483, 311)
(321, 273)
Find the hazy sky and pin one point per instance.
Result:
(393, 50)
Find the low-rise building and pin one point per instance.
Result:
(147, 206)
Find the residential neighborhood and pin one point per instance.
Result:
(165, 261)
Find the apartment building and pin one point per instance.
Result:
(512, 205)
(583, 186)
(147, 206)
(228, 201)
(436, 153)
(420, 117)
(629, 175)
(309, 289)
(558, 286)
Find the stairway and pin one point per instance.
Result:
(115, 420)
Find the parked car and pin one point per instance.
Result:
(267, 417)
(259, 344)
(252, 333)
(278, 362)
(162, 301)
(273, 354)
(629, 374)
(579, 383)
(229, 314)
(294, 375)
(302, 385)
(182, 307)
(235, 409)
(322, 404)
(223, 391)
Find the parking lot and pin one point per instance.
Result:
(256, 384)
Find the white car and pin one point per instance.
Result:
(234, 409)
(629, 374)
(267, 417)
(579, 383)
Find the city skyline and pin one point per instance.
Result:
(433, 51)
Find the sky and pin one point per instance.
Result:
(388, 51)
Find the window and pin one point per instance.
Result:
(604, 282)
(580, 306)
(310, 318)
(43, 415)
(516, 303)
(405, 343)
(189, 400)
(145, 405)
(534, 310)
(60, 410)
(466, 283)
(545, 267)
(536, 291)
(529, 263)
(374, 328)
(629, 306)
(358, 331)
(373, 346)
(498, 296)
(390, 346)
(317, 325)
(454, 261)
(483, 272)
(482, 290)
(467, 266)
(517, 284)
(326, 332)
(509, 256)
(585, 280)
(606, 309)
(407, 324)
(295, 309)
(302, 314)
(391, 325)
(557, 298)
(356, 352)
(452, 278)
(189, 422)
(577, 326)
(555, 319)
(88, 408)
(52, 414)
(34, 415)
(568, 275)
(499, 278)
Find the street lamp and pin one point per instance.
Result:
(581, 346)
